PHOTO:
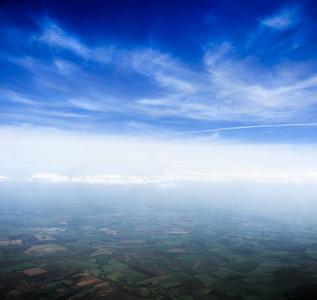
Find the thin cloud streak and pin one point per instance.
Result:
(247, 127)
(54, 36)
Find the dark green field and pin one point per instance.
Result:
(154, 251)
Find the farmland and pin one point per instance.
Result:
(154, 252)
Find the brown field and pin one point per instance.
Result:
(86, 281)
(34, 271)
(99, 291)
(67, 281)
(44, 237)
(102, 251)
(81, 280)
(101, 284)
(38, 249)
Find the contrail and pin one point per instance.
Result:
(247, 127)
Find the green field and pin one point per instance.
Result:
(213, 259)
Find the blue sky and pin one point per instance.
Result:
(157, 73)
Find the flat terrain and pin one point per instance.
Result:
(155, 252)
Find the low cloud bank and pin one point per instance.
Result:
(66, 157)
(171, 180)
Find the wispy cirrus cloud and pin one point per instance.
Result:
(227, 90)
(146, 86)
(54, 36)
(285, 19)
(166, 71)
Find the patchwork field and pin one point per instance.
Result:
(114, 253)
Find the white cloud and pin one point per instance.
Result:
(275, 97)
(166, 71)
(17, 97)
(49, 178)
(65, 67)
(86, 104)
(4, 178)
(224, 88)
(286, 19)
(48, 156)
(216, 54)
(112, 179)
(57, 37)
(169, 181)
(166, 185)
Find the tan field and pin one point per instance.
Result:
(12, 242)
(85, 279)
(34, 271)
(38, 249)
(90, 280)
